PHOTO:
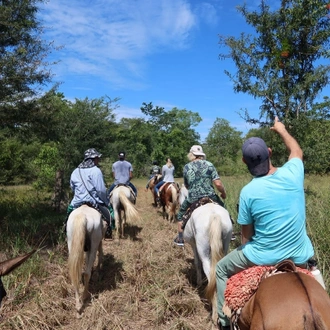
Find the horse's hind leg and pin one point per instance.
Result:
(198, 266)
(100, 257)
(90, 258)
(79, 303)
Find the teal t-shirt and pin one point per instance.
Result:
(275, 205)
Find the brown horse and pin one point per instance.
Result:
(8, 266)
(292, 300)
(169, 200)
(152, 183)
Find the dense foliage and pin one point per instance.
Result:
(23, 66)
(43, 135)
(281, 62)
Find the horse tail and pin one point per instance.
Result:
(131, 211)
(216, 247)
(76, 255)
(174, 199)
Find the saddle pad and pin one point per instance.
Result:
(193, 207)
(241, 286)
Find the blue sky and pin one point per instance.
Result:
(160, 51)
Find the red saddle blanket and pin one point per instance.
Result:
(240, 287)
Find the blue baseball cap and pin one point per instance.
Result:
(256, 156)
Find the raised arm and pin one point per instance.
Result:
(290, 142)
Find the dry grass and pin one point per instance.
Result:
(146, 283)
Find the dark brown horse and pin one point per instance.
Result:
(8, 266)
(169, 200)
(292, 300)
(152, 183)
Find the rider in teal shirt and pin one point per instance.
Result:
(271, 213)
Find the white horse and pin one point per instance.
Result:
(85, 231)
(122, 201)
(208, 231)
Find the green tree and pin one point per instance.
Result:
(174, 133)
(222, 147)
(72, 128)
(135, 137)
(23, 66)
(280, 63)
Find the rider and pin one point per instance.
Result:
(199, 175)
(155, 169)
(88, 186)
(271, 212)
(167, 176)
(122, 171)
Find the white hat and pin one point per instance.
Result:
(197, 150)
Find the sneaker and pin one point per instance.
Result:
(178, 241)
(222, 327)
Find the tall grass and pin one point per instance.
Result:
(145, 278)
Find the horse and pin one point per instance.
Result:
(168, 194)
(289, 300)
(152, 183)
(122, 200)
(85, 231)
(208, 231)
(8, 266)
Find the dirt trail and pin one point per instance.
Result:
(146, 283)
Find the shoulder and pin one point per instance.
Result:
(208, 163)
(294, 163)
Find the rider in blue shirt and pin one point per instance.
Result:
(87, 185)
(122, 171)
(271, 213)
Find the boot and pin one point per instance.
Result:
(108, 233)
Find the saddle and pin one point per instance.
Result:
(176, 185)
(124, 185)
(193, 207)
(243, 285)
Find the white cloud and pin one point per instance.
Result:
(112, 37)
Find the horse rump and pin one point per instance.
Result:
(291, 300)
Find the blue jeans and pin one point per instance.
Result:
(129, 184)
(158, 185)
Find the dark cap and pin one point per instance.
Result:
(256, 156)
(121, 154)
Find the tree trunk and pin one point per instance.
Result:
(58, 190)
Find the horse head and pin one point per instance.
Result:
(8, 266)
(183, 194)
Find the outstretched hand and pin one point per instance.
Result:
(278, 126)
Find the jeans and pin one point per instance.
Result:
(129, 184)
(158, 185)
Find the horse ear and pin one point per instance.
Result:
(9, 265)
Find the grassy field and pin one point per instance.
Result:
(146, 283)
